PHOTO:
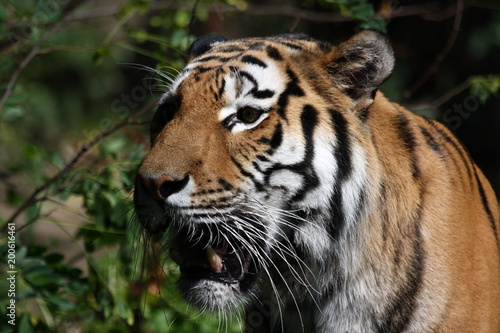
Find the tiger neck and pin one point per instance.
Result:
(361, 210)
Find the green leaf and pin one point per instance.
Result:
(33, 212)
(18, 95)
(13, 113)
(25, 294)
(202, 15)
(112, 147)
(140, 35)
(362, 11)
(78, 286)
(375, 23)
(122, 309)
(156, 21)
(182, 18)
(45, 278)
(241, 5)
(25, 325)
(100, 54)
(61, 303)
(484, 87)
(111, 199)
(35, 251)
(21, 253)
(54, 258)
(29, 265)
(31, 152)
(13, 197)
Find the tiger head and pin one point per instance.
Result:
(245, 156)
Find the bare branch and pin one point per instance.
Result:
(33, 53)
(451, 93)
(193, 16)
(315, 16)
(432, 10)
(438, 102)
(440, 57)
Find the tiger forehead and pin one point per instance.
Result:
(272, 55)
(253, 50)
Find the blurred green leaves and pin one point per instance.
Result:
(485, 86)
(44, 278)
(362, 11)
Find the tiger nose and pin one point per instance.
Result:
(164, 186)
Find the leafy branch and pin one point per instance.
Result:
(34, 197)
(17, 73)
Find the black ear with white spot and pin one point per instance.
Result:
(361, 64)
(203, 44)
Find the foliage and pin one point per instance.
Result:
(361, 10)
(485, 87)
(117, 291)
(64, 87)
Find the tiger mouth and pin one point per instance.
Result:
(222, 259)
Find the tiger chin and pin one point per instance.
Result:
(290, 186)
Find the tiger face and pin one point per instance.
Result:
(284, 178)
(237, 153)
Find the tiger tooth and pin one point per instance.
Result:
(214, 260)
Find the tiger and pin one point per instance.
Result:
(291, 190)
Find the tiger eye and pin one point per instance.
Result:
(248, 114)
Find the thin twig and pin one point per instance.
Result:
(15, 75)
(139, 122)
(33, 53)
(83, 150)
(440, 57)
(48, 50)
(193, 16)
(451, 93)
(438, 102)
(295, 23)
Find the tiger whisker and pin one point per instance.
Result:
(269, 260)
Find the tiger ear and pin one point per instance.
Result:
(204, 44)
(361, 64)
